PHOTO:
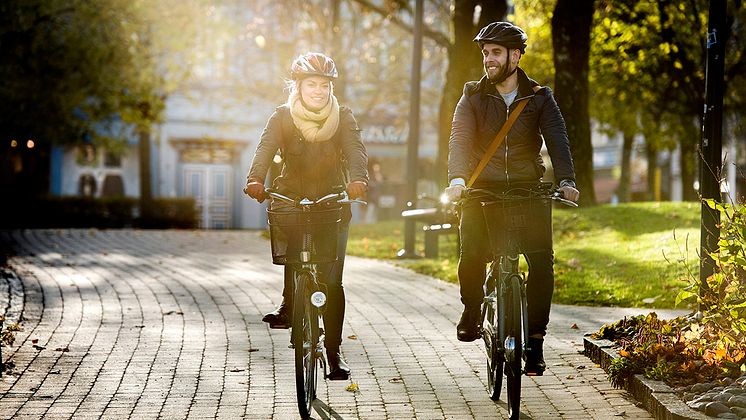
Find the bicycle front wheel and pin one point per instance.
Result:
(514, 344)
(495, 360)
(305, 337)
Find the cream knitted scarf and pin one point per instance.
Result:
(315, 126)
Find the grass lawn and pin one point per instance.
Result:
(627, 255)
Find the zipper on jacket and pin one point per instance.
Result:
(507, 117)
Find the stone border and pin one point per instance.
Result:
(657, 397)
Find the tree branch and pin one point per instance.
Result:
(440, 38)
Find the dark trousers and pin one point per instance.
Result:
(331, 275)
(472, 269)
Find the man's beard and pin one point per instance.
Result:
(503, 72)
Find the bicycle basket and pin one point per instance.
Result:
(527, 223)
(287, 229)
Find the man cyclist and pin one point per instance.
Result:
(480, 114)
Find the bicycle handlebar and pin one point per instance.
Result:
(553, 194)
(340, 197)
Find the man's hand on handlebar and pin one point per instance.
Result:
(455, 192)
(569, 193)
(255, 190)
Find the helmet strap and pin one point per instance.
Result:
(504, 76)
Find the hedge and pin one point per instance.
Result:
(82, 212)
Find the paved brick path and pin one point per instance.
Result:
(147, 324)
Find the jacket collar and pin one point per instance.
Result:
(525, 85)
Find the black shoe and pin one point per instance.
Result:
(535, 364)
(338, 369)
(468, 326)
(279, 318)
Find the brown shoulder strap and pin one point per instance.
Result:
(499, 139)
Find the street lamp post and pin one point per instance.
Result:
(414, 134)
(711, 143)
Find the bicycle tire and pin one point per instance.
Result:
(514, 342)
(495, 360)
(305, 337)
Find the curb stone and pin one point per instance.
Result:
(657, 397)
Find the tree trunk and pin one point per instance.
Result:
(624, 193)
(690, 159)
(464, 64)
(146, 194)
(652, 156)
(335, 42)
(571, 27)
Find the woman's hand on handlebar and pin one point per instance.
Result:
(356, 189)
(255, 190)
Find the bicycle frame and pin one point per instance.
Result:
(504, 311)
(309, 300)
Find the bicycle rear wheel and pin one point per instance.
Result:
(495, 360)
(305, 337)
(514, 344)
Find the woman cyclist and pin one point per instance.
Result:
(319, 142)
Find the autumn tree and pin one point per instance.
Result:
(75, 71)
(649, 61)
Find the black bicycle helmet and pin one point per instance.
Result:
(503, 33)
(313, 64)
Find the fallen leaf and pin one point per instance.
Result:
(352, 337)
(570, 377)
(352, 388)
(39, 347)
(397, 379)
(34, 341)
(237, 370)
(574, 327)
(62, 349)
(651, 300)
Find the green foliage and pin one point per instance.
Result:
(703, 348)
(722, 297)
(71, 68)
(535, 16)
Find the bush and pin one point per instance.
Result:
(169, 213)
(706, 346)
(103, 213)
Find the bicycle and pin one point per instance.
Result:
(504, 327)
(304, 234)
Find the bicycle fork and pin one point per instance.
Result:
(315, 295)
(508, 269)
